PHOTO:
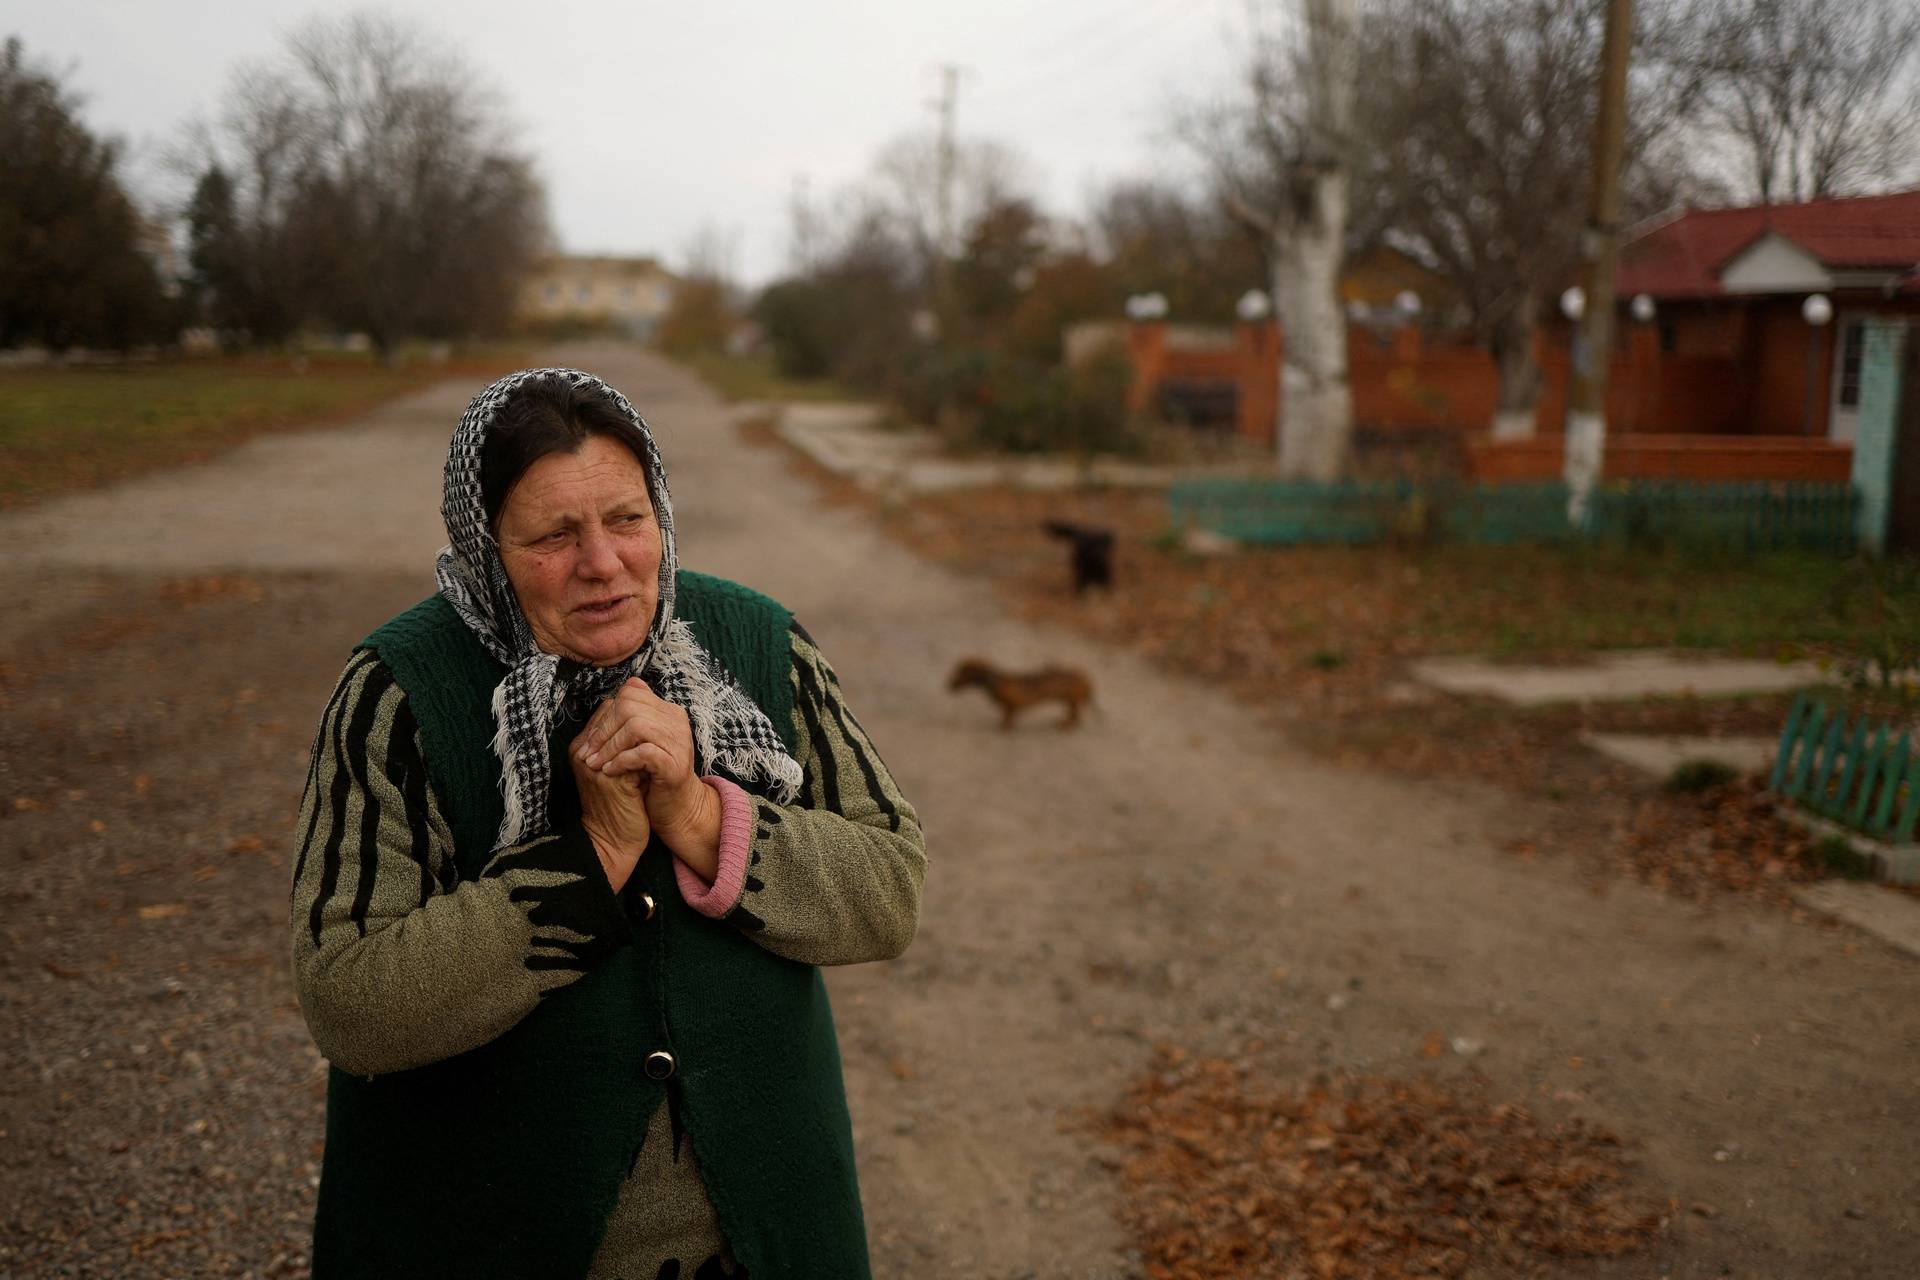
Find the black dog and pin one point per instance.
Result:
(1092, 553)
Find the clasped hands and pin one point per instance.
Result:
(633, 764)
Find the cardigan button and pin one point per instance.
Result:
(660, 1065)
(646, 900)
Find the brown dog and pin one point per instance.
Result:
(1017, 692)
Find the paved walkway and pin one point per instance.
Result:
(1660, 754)
(1618, 676)
(850, 440)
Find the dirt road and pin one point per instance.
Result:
(1173, 873)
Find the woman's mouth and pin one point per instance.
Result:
(601, 610)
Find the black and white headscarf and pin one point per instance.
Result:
(729, 731)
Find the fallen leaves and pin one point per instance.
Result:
(1362, 1177)
(1731, 837)
(163, 911)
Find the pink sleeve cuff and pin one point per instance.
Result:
(730, 878)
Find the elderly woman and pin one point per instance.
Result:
(577, 831)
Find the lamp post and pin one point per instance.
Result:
(1817, 311)
(1253, 306)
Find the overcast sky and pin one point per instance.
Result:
(652, 120)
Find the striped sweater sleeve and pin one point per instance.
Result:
(397, 961)
(835, 877)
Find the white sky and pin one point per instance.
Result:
(652, 121)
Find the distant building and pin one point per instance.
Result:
(630, 294)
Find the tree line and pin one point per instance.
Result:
(364, 180)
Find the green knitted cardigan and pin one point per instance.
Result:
(507, 1160)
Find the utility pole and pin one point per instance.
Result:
(946, 105)
(1600, 245)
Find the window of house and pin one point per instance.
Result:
(585, 293)
(553, 293)
(626, 295)
(1852, 336)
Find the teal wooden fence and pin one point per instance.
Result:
(1744, 516)
(1859, 773)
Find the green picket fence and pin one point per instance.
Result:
(1863, 775)
(1740, 516)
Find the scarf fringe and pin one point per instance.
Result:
(514, 820)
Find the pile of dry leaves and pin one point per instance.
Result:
(1731, 837)
(1367, 1177)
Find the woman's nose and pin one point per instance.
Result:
(598, 558)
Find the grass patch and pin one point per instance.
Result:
(75, 428)
(1267, 611)
(755, 378)
(1838, 856)
(1529, 601)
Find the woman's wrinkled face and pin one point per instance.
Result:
(582, 549)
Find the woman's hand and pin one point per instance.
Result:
(638, 735)
(614, 813)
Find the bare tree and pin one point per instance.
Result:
(1476, 158)
(1283, 157)
(1810, 98)
(374, 185)
(1156, 237)
(905, 189)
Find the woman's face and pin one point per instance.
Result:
(582, 550)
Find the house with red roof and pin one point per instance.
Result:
(1739, 352)
(1740, 343)
(1732, 287)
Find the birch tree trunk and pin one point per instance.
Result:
(1310, 249)
(1520, 376)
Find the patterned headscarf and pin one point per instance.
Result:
(729, 731)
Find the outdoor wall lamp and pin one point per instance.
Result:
(1573, 302)
(1642, 308)
(1817, 310)
(1253, 306)
(1147, 306)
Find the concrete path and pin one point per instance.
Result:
(1618, 676)
(848, 439)
(1660, 754)
(1892, 917)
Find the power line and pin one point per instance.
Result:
(1073, 56)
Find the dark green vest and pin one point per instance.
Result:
(507, 1160)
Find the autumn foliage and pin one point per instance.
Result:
(1360, 1179)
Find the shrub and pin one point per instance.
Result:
(1837, 854)
(1691, 777)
